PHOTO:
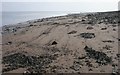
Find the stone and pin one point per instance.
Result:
(103, 28)
(54, 43)
(89, 28)
(72, 32)
(109, 41)
(9, 43)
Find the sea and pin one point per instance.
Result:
(9, 18)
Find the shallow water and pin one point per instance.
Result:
(17, 17)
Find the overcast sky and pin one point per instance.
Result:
(60, 5)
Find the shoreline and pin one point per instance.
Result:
(71, 43)
(67, 14)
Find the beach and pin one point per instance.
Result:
(73, 43)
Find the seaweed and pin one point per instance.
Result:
(19, 60)
(100, 57)
(87, 35)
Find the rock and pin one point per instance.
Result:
(14, 30)
(90, 22)
(9, 43)
(90, 69)
(114, 29)
(72, 32)
(83, 20)
(55, 23)
(83, 57)
(89, 28)
(103, 28)
(118, 55)
(109, 41)
(54, 43)
(118, 39)
(31, 25)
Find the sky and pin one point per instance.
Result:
(60, 5)
(59, 0)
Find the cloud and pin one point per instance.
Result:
(60, 6)
(60, 0)
(119, 5)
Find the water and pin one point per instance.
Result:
(17, 17)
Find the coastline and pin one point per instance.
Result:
(73, 43)
(52, 16)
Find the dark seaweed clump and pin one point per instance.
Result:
(103, 17)
(100, 57)
(19, 60)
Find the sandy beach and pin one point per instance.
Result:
(73, 43)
